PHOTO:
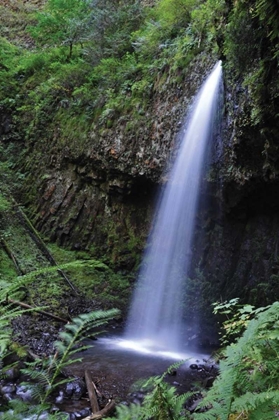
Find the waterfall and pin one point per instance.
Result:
(156, 314)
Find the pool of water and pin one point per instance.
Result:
(117, 365)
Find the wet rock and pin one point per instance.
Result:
(60, 398)
(194, 366)
(12, 373)
(137, 397)
(85, 412)
(8, 397)
(75, 389)
(208, 382)
(7, 389)
(66, 416)
(24, 393)
(192, 402)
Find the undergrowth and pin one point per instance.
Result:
(46, 373)
(247, 385)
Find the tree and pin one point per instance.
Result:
(62, 23)
(111, 24)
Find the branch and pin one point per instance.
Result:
(91, 392)
(24, 305)
(99, 415)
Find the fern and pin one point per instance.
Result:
(267, 10)
(7, 314)
(131, 412)
(20, 410)
(249, 375)
(262, 403)
(45, 373)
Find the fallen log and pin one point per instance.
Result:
(40, 243)
(100, 414)
(26, 306)
(11, 256)
(91, 392)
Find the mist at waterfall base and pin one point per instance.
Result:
(155, 322)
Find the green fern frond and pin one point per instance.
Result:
(45, 372)
(174, 366)
(250, 401)
(131, 412)
(41, 377)
(249, 376)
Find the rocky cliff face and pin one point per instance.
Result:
(102, 199)
(236, 243)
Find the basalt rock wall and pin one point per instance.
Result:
(235, 250)
(102, 198)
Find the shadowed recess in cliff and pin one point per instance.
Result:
(156, 315)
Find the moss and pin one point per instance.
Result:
(95, 279)
(8, 272)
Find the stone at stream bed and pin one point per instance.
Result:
(75, 389)
(79, 415)
(85, 412)
(8, 397)
(137, 397)
(208, 382)
(24, 393)
(7, 389)
(12, 373)
(60, 398)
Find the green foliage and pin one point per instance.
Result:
(94, 278)
(107, 23)
(117, 55)
(251, 49)
(20, 410)
(248, 380)
(8, 313)
(112, 23)
(63, 22)
(9, 53)
(45, 373)
(268, 13)
(242, 43)
(8, 272)
(4, 204)
(175, 15)
(236, 316)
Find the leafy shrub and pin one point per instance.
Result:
(247, 386)
(4, 204)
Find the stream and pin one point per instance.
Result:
(119, 367)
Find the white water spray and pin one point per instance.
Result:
(155, 319)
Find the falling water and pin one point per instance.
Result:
(155, 318)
